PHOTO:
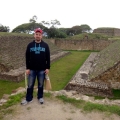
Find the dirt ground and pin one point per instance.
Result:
(54, 110)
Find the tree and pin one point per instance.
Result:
(52, 29)
(52, 23)
(61, 34)
(4, 28)
(33, 19)
(45, 23)
(77, 29)
(56, 33)
(52, 32)
(74, 30)
(28, 27)
(85, 28)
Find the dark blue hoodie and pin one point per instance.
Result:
(37, 56)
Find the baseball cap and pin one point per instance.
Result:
(38, 30)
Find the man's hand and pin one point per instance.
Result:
(28, 71)
(46, 71)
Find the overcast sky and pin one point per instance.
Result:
(95, 13)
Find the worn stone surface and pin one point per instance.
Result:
(89, 90)
(106, 66)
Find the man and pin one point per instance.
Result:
(37, 65)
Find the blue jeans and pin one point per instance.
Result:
(31, 81)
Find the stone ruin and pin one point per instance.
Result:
(108, 31)
(99, 74)
(81, 81)
(12, 56)
(82, 84)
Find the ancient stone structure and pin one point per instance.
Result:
(17, 75)
(82, 84)
(108, 31)
(12, 51)
(112, 76)
(83, 44)
(12, 63)
(106, 66)
(102, 84)
(12, 56)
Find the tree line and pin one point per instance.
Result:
(50, 28)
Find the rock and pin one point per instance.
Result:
(86, 98)
(116, 102)
(2, 101)
(5, 96)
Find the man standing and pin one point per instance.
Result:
(37, 65)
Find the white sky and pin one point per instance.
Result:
(95, 13)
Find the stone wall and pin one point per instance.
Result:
(90, 90)
(83, 44)
(12, 51)
(108, 31)
(12, 56)
(112, 76)
(116, 32)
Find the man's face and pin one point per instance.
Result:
(38, 36)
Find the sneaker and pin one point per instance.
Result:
(24, 102)
(41, 100)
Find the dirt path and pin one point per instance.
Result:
(54, 110)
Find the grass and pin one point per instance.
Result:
(114, 38)
(62, 71)
(89, 107)
(116, 94)
(6, 87)
(5, 108)
(14, 34)
(13, 100)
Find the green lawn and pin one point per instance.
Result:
(6, 87)
(63, 70)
